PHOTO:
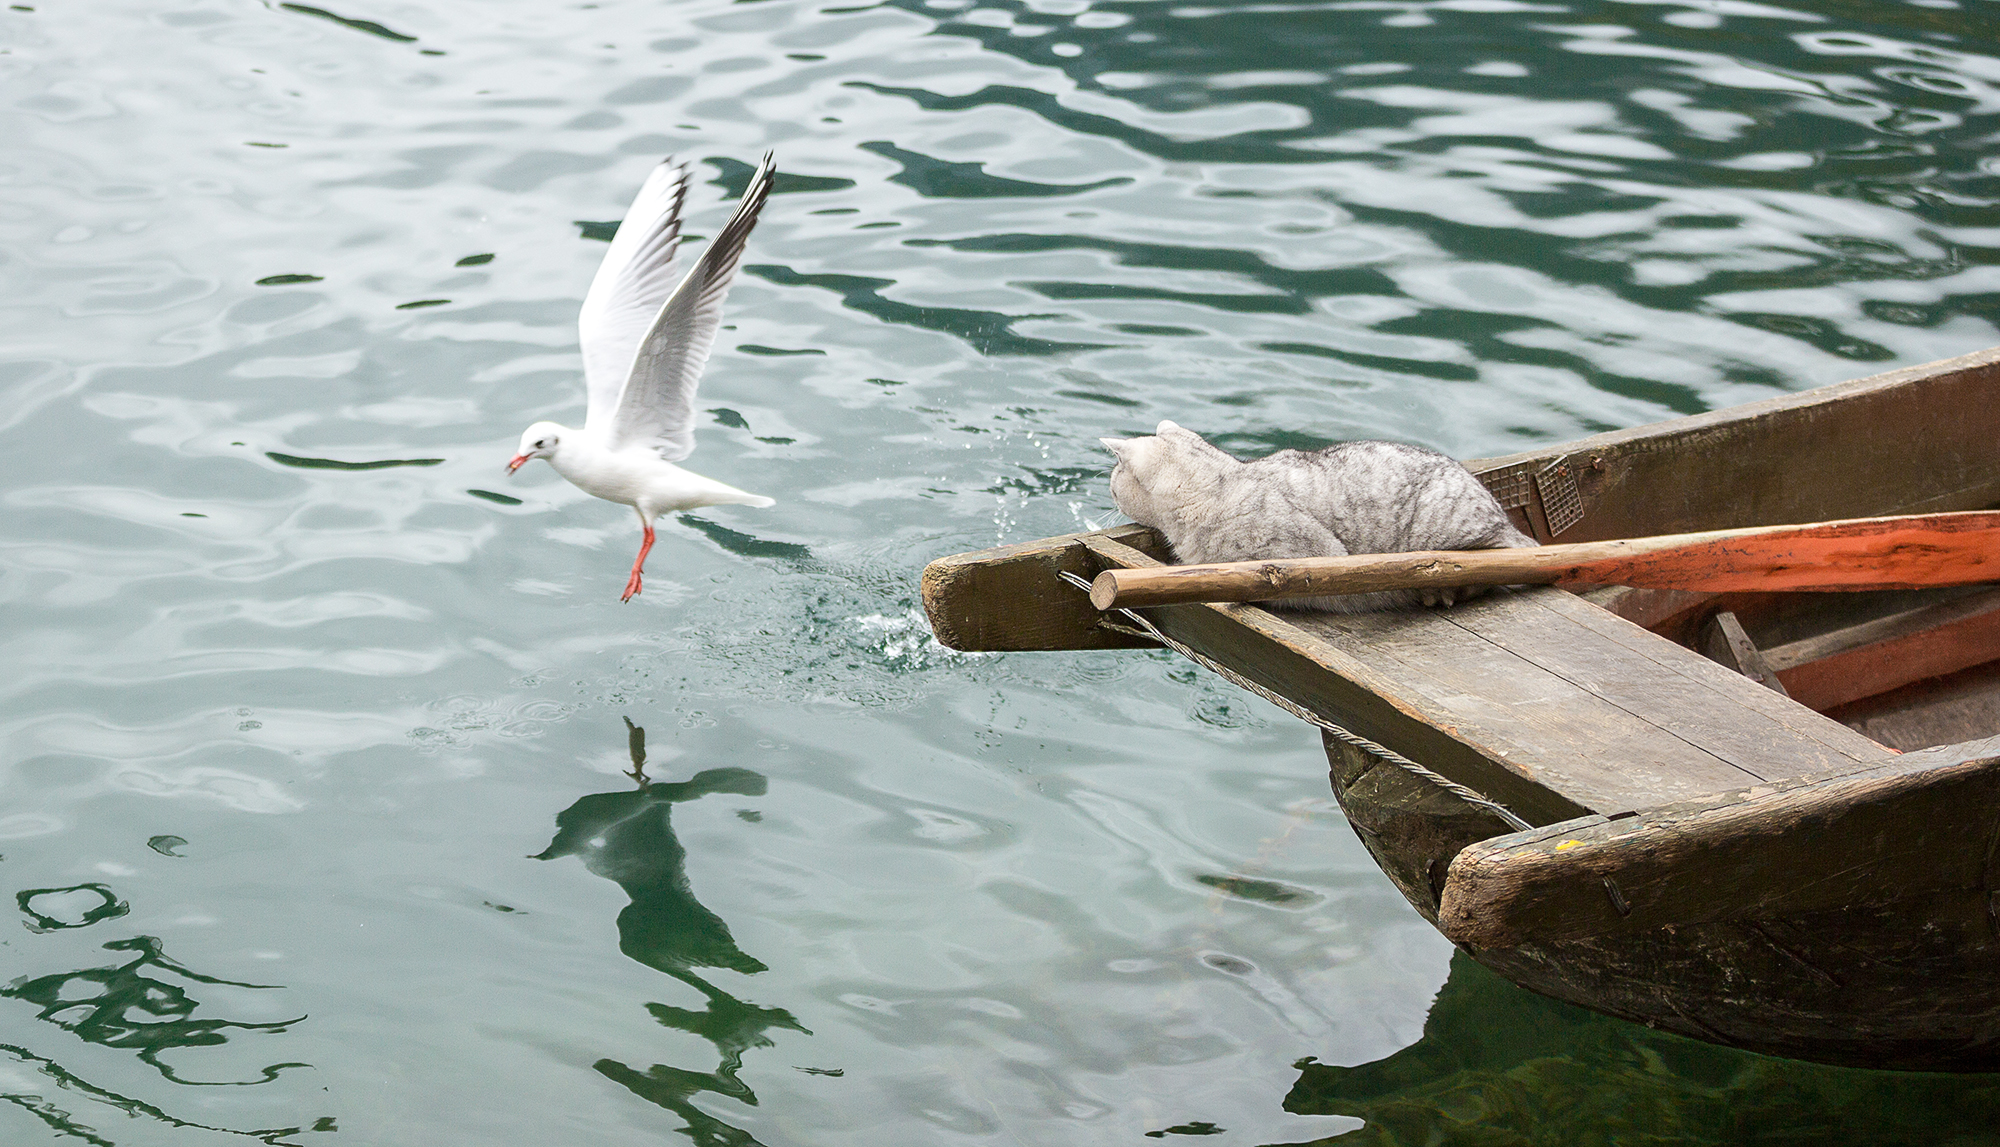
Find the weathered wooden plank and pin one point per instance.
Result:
(1686, 697)
(1112, 549)
(1649, 608)
(1544, 692)
(1922, 822)
(1775, 620)
(1875, 630)
(1467, 693)
(1374, 701)
(1682, 690)
(1915, 440)
(1911, 985)
(1886, 653)
(1010, 597)
(1935, 711)
(1280, 653)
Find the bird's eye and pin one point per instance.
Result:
(542, 445)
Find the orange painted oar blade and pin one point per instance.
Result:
(1869, 553)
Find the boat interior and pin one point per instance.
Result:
(1909, 669)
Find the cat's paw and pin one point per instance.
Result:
(1440, 598)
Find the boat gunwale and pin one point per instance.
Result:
(1664, 433)
(1562, 881)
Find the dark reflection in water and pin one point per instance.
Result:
(337, 464)
(734, 179)
(368, 26)
(1502, 1067)
(108, 906)
(142, 1005)
(66, 1125)
(937, 179)
(102, 1005)
(749, 546)
(628, 837)
(987, 332)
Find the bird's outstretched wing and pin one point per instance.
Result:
(631, 285)
(656, 407)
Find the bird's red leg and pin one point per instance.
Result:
(638, 563)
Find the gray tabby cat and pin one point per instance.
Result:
(1350, 498)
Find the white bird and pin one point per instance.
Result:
(643, 350)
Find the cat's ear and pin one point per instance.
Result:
(1166, 426)
(1117, 446)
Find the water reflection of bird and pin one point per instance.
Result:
(643, 350)
(628, 837)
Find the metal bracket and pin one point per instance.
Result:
(1509, 484)
(1562, 505)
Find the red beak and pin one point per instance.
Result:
(518, 461)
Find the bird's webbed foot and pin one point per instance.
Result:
(632, 584)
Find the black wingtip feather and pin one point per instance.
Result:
(727, 248)
(692, 313)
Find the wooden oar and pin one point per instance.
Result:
(1859, 553)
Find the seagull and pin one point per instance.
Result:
(643, 350)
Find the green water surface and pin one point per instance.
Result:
(341, 800)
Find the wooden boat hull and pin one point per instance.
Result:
(1902, 973)
(1807, 987)
(1707, 855)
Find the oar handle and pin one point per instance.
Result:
(1316, 577)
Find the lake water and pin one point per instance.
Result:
(316, 810)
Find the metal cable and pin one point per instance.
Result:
(1148, 630)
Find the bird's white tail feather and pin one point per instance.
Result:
(718, 494)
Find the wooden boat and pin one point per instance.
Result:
(1770, 821)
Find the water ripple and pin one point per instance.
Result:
(273, 595)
